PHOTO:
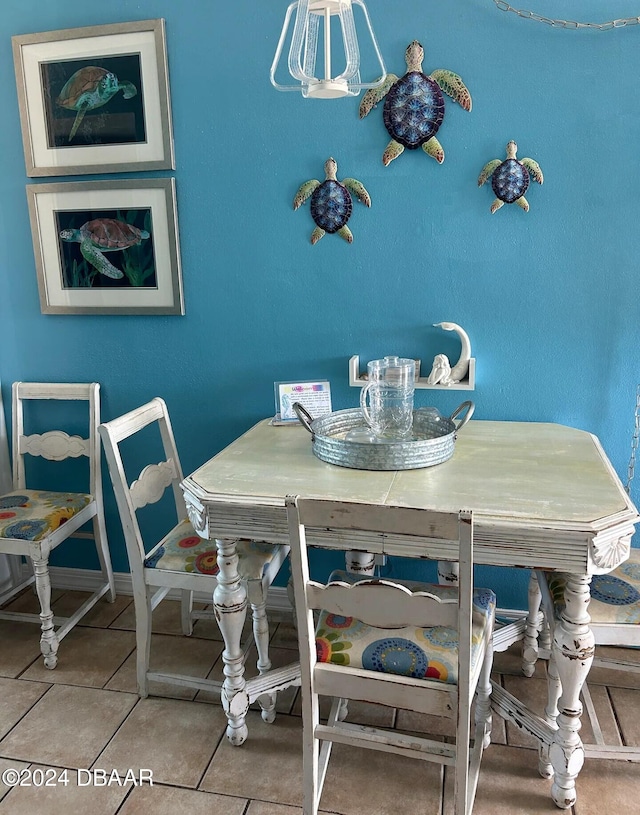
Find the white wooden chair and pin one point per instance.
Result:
(391, 643)
(615, 620)
(33, 522)
(10, 565)
(180, 560)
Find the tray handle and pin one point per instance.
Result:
(470, 407)
(303, 415)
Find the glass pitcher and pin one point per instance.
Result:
(390, 390)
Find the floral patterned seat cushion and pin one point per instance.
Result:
(183, 550)
(615, 597)
(33, 514)
(429, 653)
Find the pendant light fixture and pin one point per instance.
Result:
(312, 17)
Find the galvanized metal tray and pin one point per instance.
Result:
(432, 442)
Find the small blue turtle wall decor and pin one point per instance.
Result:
(331, 203)
(414, 106)
(510, 178)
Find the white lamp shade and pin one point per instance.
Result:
(311, 17)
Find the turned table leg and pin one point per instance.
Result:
(447, 573)
(360, 563)
(573, 649)
(230, 604)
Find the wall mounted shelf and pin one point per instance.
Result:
(357, 380)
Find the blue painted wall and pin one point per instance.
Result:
(549, 298)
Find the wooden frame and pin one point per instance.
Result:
(94, 99)
(151, 581)
(55, 445)
(388, 605)
(626, 635)
(74, 226)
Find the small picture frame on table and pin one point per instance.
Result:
(94, 99)
(313, 395)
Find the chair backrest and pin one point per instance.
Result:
(154, 479)
(382, 603)
(5, 462)
(55, 444)
(9, 567)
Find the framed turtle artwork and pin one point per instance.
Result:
(95, 99)
(107, 247)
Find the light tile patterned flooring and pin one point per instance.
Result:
(86, 715)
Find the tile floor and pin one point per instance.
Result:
(85, 715)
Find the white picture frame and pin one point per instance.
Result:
(314, 395)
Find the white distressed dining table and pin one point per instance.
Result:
(544, 496)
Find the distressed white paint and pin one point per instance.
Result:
(544, 496)
(388, 605)
(58, 445)
(150, 585)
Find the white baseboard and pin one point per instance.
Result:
(88, 580)
(277, 598)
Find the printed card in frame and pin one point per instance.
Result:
(107, 247)
(94, 99)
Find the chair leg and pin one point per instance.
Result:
(15, 568)
(48, 639)
(102, 548)
(257, 596)
(343, 710)
(483, 697)
(530, 645)
(544, 638)
(142, 602)
(311, 771)
(186, 607)
(554, 689)
(292, 600)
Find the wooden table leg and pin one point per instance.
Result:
(230, 603)
(447, 573)
(360, 563)
(573, 649)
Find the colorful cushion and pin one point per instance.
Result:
(615, 597)
(183, 550)
(429, 653)
(32, 514)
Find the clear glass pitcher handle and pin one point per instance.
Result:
(363, 403)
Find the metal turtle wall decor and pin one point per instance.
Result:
(414, 105)
(331, 203)
(510, 178)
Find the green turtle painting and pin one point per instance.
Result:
(414, 106)
(89, 88)
(331, 203)
(104, 235)
(510, 178)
